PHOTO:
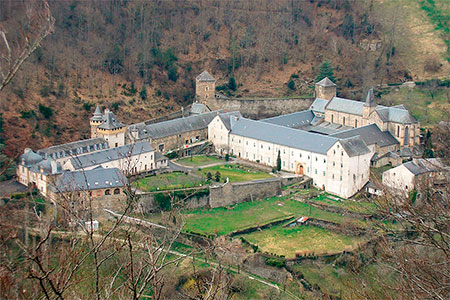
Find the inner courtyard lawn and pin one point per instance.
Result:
(199, 160)
(235, 173)
(225, 220)
(289, 241)
(167, 181)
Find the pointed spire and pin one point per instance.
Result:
(370, 99)
(97, 114)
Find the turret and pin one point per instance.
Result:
(325, 89)
(95, 121)
(369, 105)
(112, 130)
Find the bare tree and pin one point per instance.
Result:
(39, 23)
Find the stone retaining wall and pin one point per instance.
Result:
(238, 192)
(261, 108)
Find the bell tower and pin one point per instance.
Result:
(325, 89)
(205, 88)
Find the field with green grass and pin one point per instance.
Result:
(225, 220)
(235, 172)
(199, 160)
(427, 105)
(167, 181)
(355, 206)
(301, 240)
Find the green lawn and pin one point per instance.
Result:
(235, 172)
(200, 160)
(301, 240)
(168, 181)
(225, 220)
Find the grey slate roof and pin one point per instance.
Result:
(293, 120)
(99, 157)
(47, 167)
(355, 146)
(74, 148)
(30, 158)
(370, 134)
(110, 121)
(283, 135)
(326, 82)
(97, 114)
(318, 105)
(397, 114)
(326, 128)
(227, 118)
(159, 156)
(198, 108)
(205, 77)
(99, 178)
(173, 127)
(346, 105)
(370, 98)
(422, 165)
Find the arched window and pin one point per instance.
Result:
(116, 191)
(107, 192)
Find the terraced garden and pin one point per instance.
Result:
(302, 240)
(199, 160)
(168, 181)
(234, 172)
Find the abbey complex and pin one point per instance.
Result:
(335, 143)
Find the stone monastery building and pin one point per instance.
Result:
(335, 142)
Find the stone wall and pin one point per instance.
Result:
(260, 108)
(179, 140)
(232, 193)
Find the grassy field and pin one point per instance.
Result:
(301, 240)
(168, 181)
(429, 108)
(200, 160)
(223, 221)
(235, 172)
(356, 206)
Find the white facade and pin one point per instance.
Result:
(336, 172)
(399, 178)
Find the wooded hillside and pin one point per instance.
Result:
(140, 58)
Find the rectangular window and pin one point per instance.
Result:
(315, 171)
(323, 173)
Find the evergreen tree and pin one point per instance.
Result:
(143, 93)
(217, 176)
(208, 176)
(232, 84)
(279, 161)
(325, 70)
(291, 84)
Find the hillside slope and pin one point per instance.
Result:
(140, 58)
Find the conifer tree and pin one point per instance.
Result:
(279, 161)
(325, 70)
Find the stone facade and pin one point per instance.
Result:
(205, 88)
(335, 171)
(179, 141)
(237, 192)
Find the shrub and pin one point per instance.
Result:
(46, 111)
(162, 201)
(208, 176)
(275, 262)
(172, 73)
(291, 85)
(227, 157)
(143, 93)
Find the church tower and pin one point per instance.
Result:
(325, 89)
(95, 121)
(370, 105)
(205, 88)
